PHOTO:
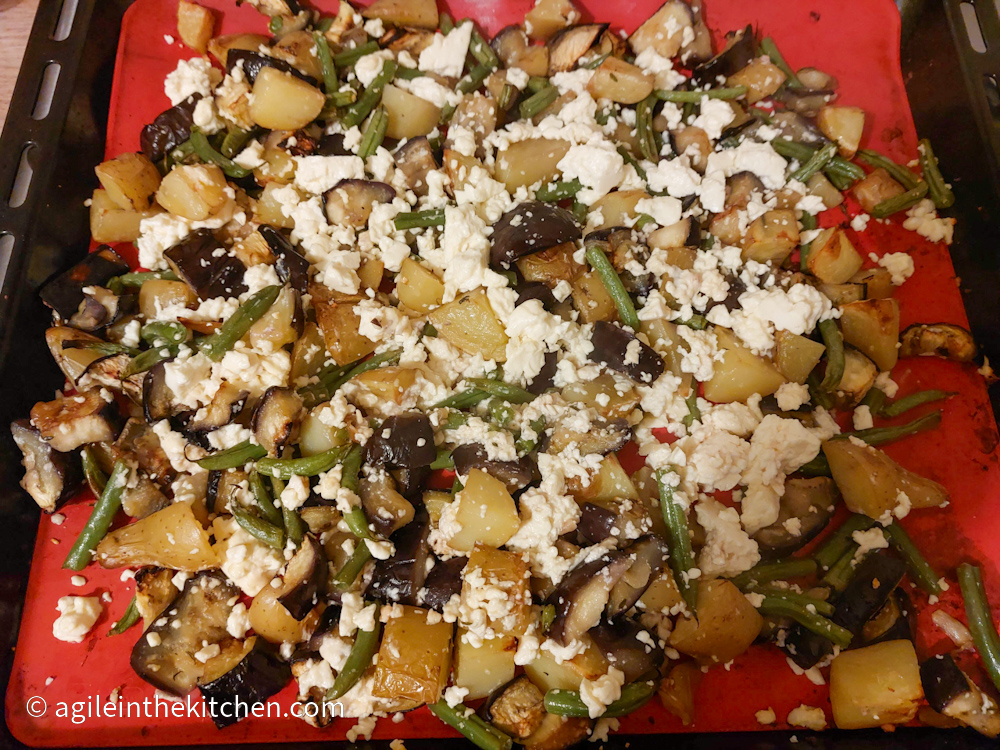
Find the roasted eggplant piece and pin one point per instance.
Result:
(154, 593)
(596, 523)
(796, 127)
(938, 339)
(951, 692)
(896, 621)
(253, 62)
(411, 483)
(582, 596)
(144, 499)
(241, 678)
(546, 377)
(737, 55)
(415, 159)
(71, 421)
(535, 290)
(804, 511)
(558, 732)
(292, 268)
(276, 418)
(64, 293)
(625, 648)
(71, 349)
(400, 578)
(604, 436)
(649, 555)
(169, 130)
(351, 201)
(385, 509)
(107, 372)
(226, 405)
(517, 708)
(807, 103)
(530, 228)
(195, 261)
(621, 351)
(166, 656)
(304, 579)
(51, 478)
(442, 583)
(100, 308)
(157, 398)
(403, 441)
(516, 475)
(569, 45)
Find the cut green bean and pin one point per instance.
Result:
(980, 616)
(234, 457)
(634, 696)
(357, 112)
(874, 400)
(165, 331)
(95, 478)
(444, 460)
(537, 83)
(504, 391)
(348, 574)
(358, 523)
(906, 200)
(644, 129)
(129, 618)
(264, 531)
(599, 261)
(473, 79)
(939, 190)
(501, 412)
(558, 191)
(840, 171)
(234, 141)
(204, 151)
(350, 469)
(899, 173)
(342, 98)
(215, 346)
(774, 571)
(902, 405)
(508, 93)
(275, 24)
(633, 162)
(841, 541)
(679, 538)
(348, 57)
(138, 278)
(694, 413)
(374, 132)
(148, 359)
(779, 607)
(815, 163)
(808, 222)
(769, 48)
(362, 652)
(433, 217)
(464, 400)
(308, 466)
(101, 516)
(103, 348)
(548, 616)
(264, 501)
(479, 732)
(820, 606)
(481, 50)
(330, 82)
(446, 23)
(842, 571)
(540, 100)
(697, 322)
(883, 435)
(920, 570)
(408, 74)
(293, 524)
(695, 97)
(833, 340)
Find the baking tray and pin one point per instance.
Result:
(58, 233)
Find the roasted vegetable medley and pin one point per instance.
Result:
(411, 302)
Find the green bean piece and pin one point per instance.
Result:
(170, 332)
(840, 171)
(579, 211)
(558, 191)
(883, 435)
(347, 575)
(833, 340)
(481, 50)
(446, 23)
(980, 616)
(634, 696)
(902, 405)
(939, 190)
(808, 222)
(642, 220)
(223, 340)
(374, 133)
(874, 400)
(342, 98)
(101, 516)
(920, 570)
(898, 172)
(350, 469)
(277, 486)
(842, 571)
(138, 278)
(92, 474)
(330, 382)
(444, 460)
(599, 261)
(275, 24)
(330, 82)
(537, 83)
(525, 445)
(324, 24)
(358, 523)
(769, 48)
(309, 466)
(644, 129)
(348, 57)
(548, 617)
(841, 541)
(104, 348)
(231, 458)
(408, 74)
(631, 160)
(234, 141)
(508, 93)
(204, 151)
(774, 571)
(129, 618)
(697, 322)
(821, 606)
(433, 217)
(360, 658)
(463, 400)
(695, 97)
(293, 524)
(504, 391)
(479, 732)
(181, 152)
(818, 467)
(264, 501)
(148, 359)
(901, 202)
(811, 621)
(357, 112)
(538, 101)
(501, 412)
(679, 538)
(694, 413)
(596, 62)
(457, 486)
(264, 531)
(816, 162)
(472, 80)
(816, 394)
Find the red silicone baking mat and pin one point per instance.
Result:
(858, 41)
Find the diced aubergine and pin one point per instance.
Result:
(276, 418)
(154, 593)
(621, 351)
(400, 578)
(530, 228)
(157, 398)
(100, 308)
(64, 293)
(737, 55)
(572, 43)
(226, 405)
(596, 523)
(546, 377)
(211, 274)
(304, 579)
(403, 441)
(812, 502)
(50, 477)
(71, 421)
(169, 130)
(107, 372)
(351, 201)
(582, 596)
(529, 290)
(941, 339)
(415, 159)
(516, 475)
(951, 692)
(411, 483)
(517, 708)
(626, 649)
(442, 583)
(649, 555)
(292, 268)
(896, 621)
(385, 508)
(238, 679)
(604, 436)
(254, 62)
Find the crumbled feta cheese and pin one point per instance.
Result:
(317, 174)
(238, 622)
(862, 418)
(923, 220)
(807, 717)
(899, 265)
(766, 716)
(598, 694)
(77, 615)
(445, 55)
(598, 169)
(728, 550)
(194, 76)
(860, 222)
(792, 396)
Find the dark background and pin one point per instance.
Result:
(54, 224)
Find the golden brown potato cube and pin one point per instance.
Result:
(388, 383)
(470, 324)
(547, 674)
(550, 266)
(796, 356)
(534, 61)
(844, 126)
(667, 342)
(486, 513)
(877, 282)
(725, 627)
(741, 373)
(340, 323)
(618, 208)
(771, 237)
(832, 258)
(194, 191)
(484, 668)
(610, 482)
(435, 502)
(371, 272)
(158, 294)
(281, 101)
(459, 168)
(858, 378)
(219, 46)
(820, 186)
(677, 690)
(414, 659)
(109, 223)
(558, 732)
(418, 288)
(762, 78)
(694, 142)
(875, 685)
(726, 226)
(194, 25)
(527, 162)
(602, 394)
(272, 622)
(316, 436)
(591, 298)
(409, 115)
(267, 209)
(620, 81)
(549, 17)
(130, 180)
(664, 30)
(491, 568)
(662, 594)
(875, 188)
(872, 326)
(421, 14)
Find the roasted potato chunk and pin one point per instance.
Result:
(414, 659)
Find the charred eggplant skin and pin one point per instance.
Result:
(736, 56)
(530, 228)
(515, 474)
(404, 441)
(442, 583)
(305, 578)
(64, 292)
(291, 267)
(572, 597)
(169, 130)
(50, 477)
(253, 62)
(400, 578)
(255, 678)
(194, 260)
(943, 681)
(611, 344)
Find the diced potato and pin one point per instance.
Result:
(548, 675)
(618, 208)
(109, 223)
(663, 337)
(664, 30)
(873, 327)
(741, 373)
(772, 237)
(418, 288)
(278, 167)
(470, 324)
(534, 61)
(695, 142)
(844, 126)
(130, 180)
(620, 81)
(550, 266)
(219, 46)
(486, 668)
(194, 25)
(602, 394)
(253, 250)
(505, 570)
(267, 209)
(421, 14)
(726, 226)
(435, 502)
(725, 627)
(340, 323)
(859, 376)
(194, 191)
(527, 162)
(409, 115)
(677, 690)
(875, 685)
(272, 622)
(414, 659)
(870, 481)
(662, 594)
(796, 356)
(486, 513)
(460, 168)
(591, 298)
(558, 732)
(315, 436)
(476, 112)
(610, 482)
(277, 326)
(877, 187)
(297, 49)
(159, 294)
(843, 294)
(549, 17)
(371, 272)
(832, 257)
(877, 282)
(762, 78)
(821, 187)
(170, 538)
(283, 102)
(389, 384)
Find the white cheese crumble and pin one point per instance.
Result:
(77, 615)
